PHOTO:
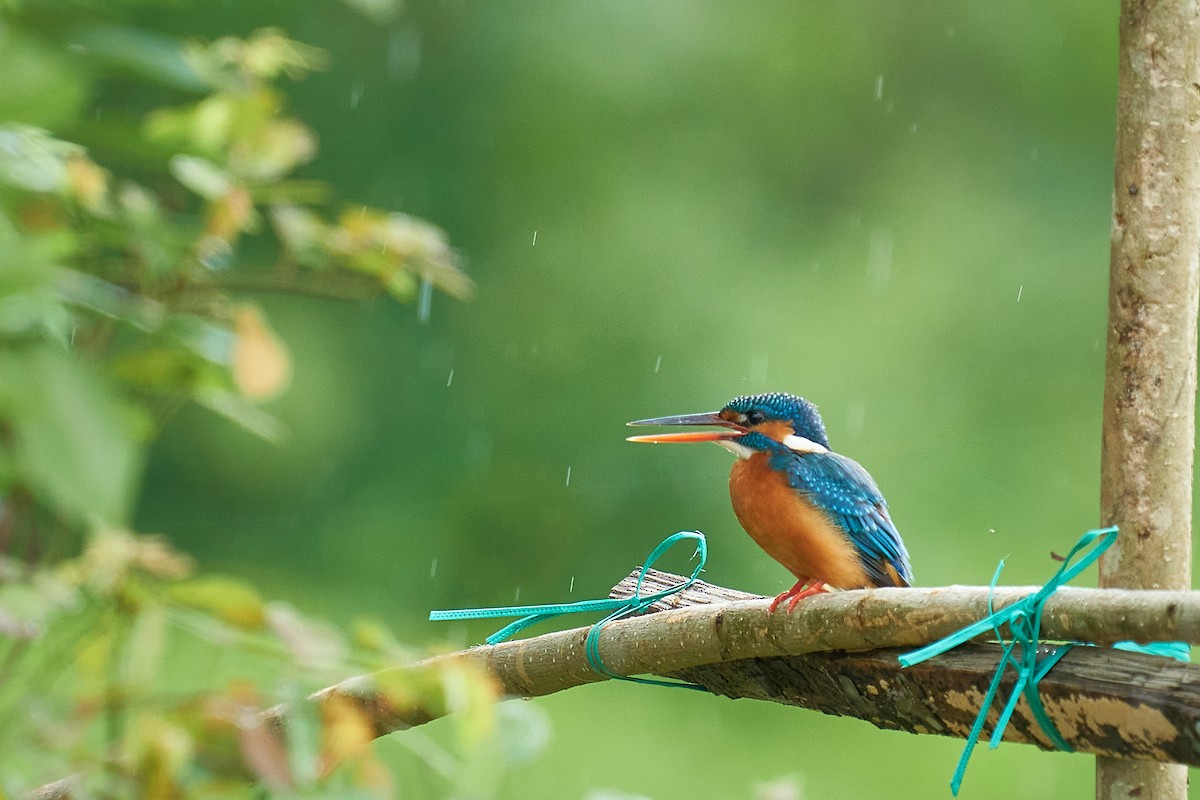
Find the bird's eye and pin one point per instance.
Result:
(755, 417)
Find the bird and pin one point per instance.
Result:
(817, 512)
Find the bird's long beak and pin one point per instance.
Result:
(711, 418)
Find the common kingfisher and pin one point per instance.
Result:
(816, 512)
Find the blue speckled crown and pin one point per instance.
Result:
(803, 415)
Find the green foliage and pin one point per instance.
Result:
(119, 281)
(94, 684)
(116, 287)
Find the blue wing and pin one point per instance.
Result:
(847, 494)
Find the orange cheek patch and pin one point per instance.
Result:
(775, 429)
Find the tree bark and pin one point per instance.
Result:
(708, 625)
(1150, 379)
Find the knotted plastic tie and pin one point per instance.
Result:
(1024, 620)
(531, 615)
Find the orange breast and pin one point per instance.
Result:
(791, 530)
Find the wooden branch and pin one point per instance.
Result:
(1102, 701)
(724, 644)
(1108, 702)
(1150, 371)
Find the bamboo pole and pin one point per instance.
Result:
(1150, 376)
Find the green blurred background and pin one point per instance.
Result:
(899, 211)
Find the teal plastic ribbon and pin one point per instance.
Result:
(1024, 619)
(531, 615)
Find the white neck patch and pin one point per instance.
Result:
(798, 444)
(735, 447)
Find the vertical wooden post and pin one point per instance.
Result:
(1150, 375)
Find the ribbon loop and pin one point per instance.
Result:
(1024, 621)
(531, 615)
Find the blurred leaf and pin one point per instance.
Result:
(206, 125)
(112, 554)
(27, 607)
(203, 337)
(202, 177)
(88, 184)
(162, 370)
(103, 297)
(383, 244)
(346, 731)
(29, 302)
(303, 233)
(30, 158)
(141, 658)
(375, 637)
(228, 599)
(142, 53)
(159, 752)
(471, 696)
(229, 216)
(303, 740)
(241, 411)
(277, 148)
(263, 56)
(308, 192)
(313, 644)
(263, 751)
(41, 85)
(73, 437)
(261, 364)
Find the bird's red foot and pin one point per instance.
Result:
(794, 595)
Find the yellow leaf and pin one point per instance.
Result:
(347, 732)
(88, 183)
(231, 214)
(225, 598)
(262, 367)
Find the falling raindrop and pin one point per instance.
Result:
(568, 475)
(534, 239)
(571, 590)
(856, 416)
(517, 595)
(356, 95)
(424, 300)
(758, 369)
(879, 258)
(433, 568)
(450, 379)
(879, 87)
(657, 364)
(1020, 291)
